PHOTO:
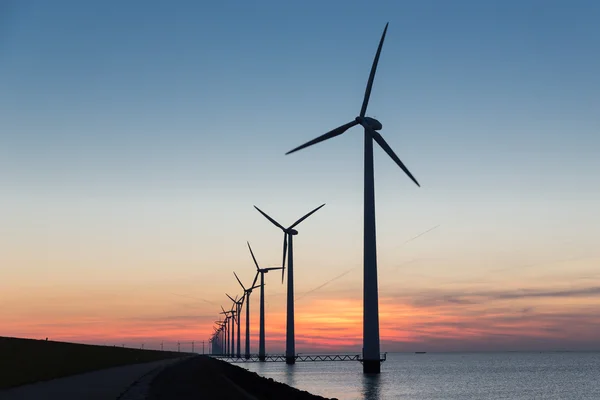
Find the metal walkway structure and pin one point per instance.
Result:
(299, 358)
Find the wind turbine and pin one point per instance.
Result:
(238, 311)
(247, 292)
(217, 339)
(261, 334)
(371, 353)
(222, 335)
(228, 330)
(288, 235)
(234, 320)
(215, 343)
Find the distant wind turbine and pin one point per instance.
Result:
(261, 333)
(247, 292)
(288, 235)
(371, 350)
(234, 320)
(228, 330)
(238, 311)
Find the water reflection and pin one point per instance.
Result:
(289, 377)
(371, 386)
(448, 376)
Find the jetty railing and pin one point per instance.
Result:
(299, 358)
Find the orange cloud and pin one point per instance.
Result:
(438, 319)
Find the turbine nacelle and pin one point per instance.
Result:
(292, 232)
(373, 123)
(369, 122)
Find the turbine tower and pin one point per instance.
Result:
(247, 292)
(371, 352)
(288, 235)
(261, 333)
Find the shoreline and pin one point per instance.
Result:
(203, 376)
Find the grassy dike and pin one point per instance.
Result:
(28, 360)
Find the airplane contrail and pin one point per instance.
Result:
(324, 284)
(352, 269)
(420, 234)
(195, 298)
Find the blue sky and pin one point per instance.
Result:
(136, 136)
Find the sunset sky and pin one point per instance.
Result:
(136, 136)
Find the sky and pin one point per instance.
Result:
(136, 137)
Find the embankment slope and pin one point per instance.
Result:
(25, 361)
(202, 377)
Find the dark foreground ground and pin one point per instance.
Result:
(203, 377)
(25, 361)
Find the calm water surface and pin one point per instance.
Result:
(448, 376)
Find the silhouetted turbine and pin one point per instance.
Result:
(371, 352)
(261, 333)
(247, 292)
(289, 232)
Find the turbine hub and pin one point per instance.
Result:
(292, 232)
(373, 123)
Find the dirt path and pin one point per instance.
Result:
(106, 384)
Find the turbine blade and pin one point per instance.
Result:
(254, 258)
(223, 310)
(284, 254)
(270, 219)
(238, 279)
(231, 298)
(333, 133)
(272, 268)
(365, 103)
(306, 216)
(381, 141)
(254, 281)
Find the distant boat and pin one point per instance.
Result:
(420, 352)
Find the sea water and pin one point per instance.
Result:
(448, 376)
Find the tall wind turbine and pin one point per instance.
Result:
(371, 352)
(288, 235)
(261, 333)
(247, 292)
